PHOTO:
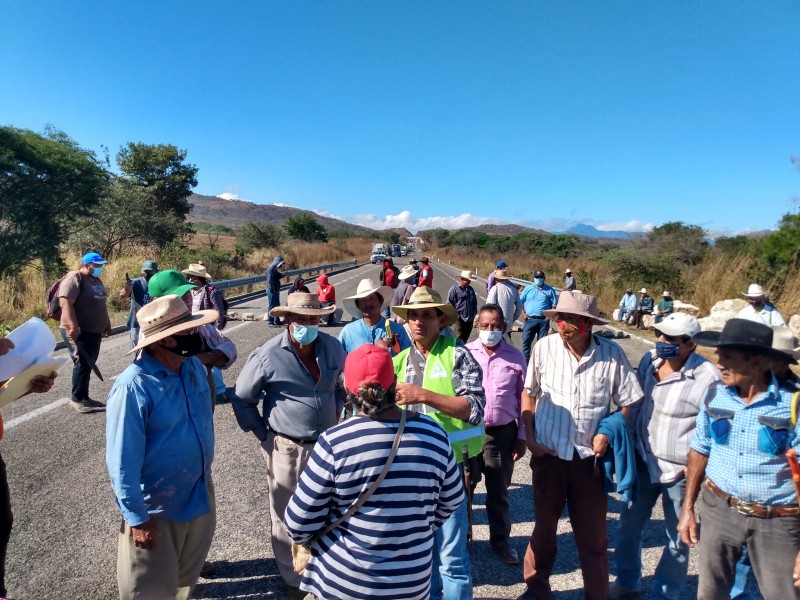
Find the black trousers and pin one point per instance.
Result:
(90, 343)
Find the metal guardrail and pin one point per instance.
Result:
(251, 281)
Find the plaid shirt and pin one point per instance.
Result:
(467, 379)
(739, 467)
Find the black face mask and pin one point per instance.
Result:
(187, 345)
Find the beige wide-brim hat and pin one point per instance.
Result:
(198, 271)
(425, 297)
(754, 291)
(407, 272)
(302, 303)
(574, 303)
(166, 316)
(364, 289)
(468, 275)
(783, 341)
(501, 275)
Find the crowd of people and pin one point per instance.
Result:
(374, 442)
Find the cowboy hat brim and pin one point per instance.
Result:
(448, 309)
(203, 317)
(714, 339)
(350, 302)
(550, 314)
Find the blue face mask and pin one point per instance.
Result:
(97, 271)
(305, 335)
(666, 351)
(539, 281)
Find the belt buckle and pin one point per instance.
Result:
(745, 509)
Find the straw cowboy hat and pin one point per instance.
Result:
(407, 272)
(302, 303)
(468, 275)
(364, 289)
(166, 316)
(197, 270)
(754, 291)
(741, 334)
(425, 297)
(575, 303)
(784, 341)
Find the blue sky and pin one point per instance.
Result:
(619, 114)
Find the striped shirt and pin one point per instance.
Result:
(665, 420)
(573, 396)
(385, 549)
(738, 466)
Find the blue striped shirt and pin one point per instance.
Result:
(385, 549)
(739, 467)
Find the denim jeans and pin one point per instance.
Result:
(670, 575)
(90, 343)
(533, 329)
(452, 573)
(273, 300)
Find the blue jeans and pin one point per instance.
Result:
(670, 575)
(273, 300)
(452, 573)
(533, 329)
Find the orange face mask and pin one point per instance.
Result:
(568, 330)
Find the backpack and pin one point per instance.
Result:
(52, 307)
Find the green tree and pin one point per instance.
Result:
(47, 182)
(259, 235)
(162, 170)
(305, 227)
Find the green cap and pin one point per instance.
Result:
(168, 282)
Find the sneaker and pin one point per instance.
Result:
(617, 591)
(507, 554)
(87, 405)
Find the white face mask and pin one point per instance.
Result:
(490, 338)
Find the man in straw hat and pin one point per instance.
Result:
(159, 449)
(366, 305)
(674, 379)
(298, 376)
(464, 300)
(439, 377)
(744, 427)
(506, 296)
(760, 309)
(571, 381)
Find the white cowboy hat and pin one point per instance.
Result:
(574, 303)
(468, 275)
(425, 297)
(166, 316)
(364, 289)
(407, 272)
(754, 291)
(197, 270)
(302, 303)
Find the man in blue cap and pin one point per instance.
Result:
(84, 317)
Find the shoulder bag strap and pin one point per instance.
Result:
(365, 496)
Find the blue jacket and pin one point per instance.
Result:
(620, 459)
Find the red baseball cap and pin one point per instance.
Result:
(368, 364)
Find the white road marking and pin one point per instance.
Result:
(35, 413)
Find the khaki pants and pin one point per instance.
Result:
(285, 462)
(172, 569)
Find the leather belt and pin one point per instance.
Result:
(759, 511)
(298, 441)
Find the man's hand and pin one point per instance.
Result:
(409, 393)
(687, 527)
(41, 384)
(146, 535)
(518, 450)
(5, 346)
(796, 573)
(600, 445)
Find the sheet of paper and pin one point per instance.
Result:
(33, 343)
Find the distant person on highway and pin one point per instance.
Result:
(506, 296)
(425, 273)
(572, 380)
(570, 285)
(674, 379)
(274, 277)
(327, 296)
(205, 296)
(439, 377)
(385, 548)
(297, 374)
(136, 290)
(536, 298)
(463, 298)
(760, 309)
(490, 280)
(643, 307)
(366, 305)
(39, 385)
(627, 306)
(159, 450)
(84, 317)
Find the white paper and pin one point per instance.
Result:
(33, 343)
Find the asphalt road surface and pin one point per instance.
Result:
(65, 519)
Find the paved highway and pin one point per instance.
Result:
(64, 539)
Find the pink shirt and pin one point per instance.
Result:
(503, 382)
